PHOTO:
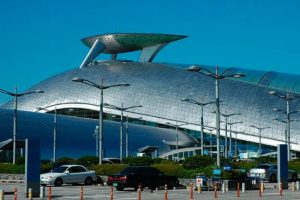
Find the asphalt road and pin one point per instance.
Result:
(103, 192)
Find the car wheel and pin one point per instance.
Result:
(294, 177)
(171, 185)
(120, 188)
(58, 182)
(273, 178)
(88, 181)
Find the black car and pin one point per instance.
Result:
(141, 176)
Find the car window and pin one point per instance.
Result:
(129, 170)
(76, 169)
(60, 169)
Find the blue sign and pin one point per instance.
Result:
(32, 166)
(217, 172)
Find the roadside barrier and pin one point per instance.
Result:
(49, 193)
(139, 193)
(192, 191)
(223, 187)
(1, 194)
(81, 193)
(297, 186)
(216, 193)
(199, 189)
(42, 192)
(293, 187)
(30, 194)
(15, 194)
(243, 187)
(238, 190)
(280, 190)
(111, 193)
(166, 192)
(259, 190)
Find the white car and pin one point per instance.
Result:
(268, 172)
(68, 174)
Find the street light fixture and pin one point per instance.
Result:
(122, 109)
(202, 104)
(101, 88)
(176, 125)
(54, 130)
(217, 77)
(226, 123)
(230, 133)
(288, 98)
(259, 128)
(16, 95)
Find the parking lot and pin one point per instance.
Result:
(103, 192)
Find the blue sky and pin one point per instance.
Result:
(42, 38)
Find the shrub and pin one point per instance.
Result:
(265, 159)
(169, 169)
(244, 165)
(64, 161)
(20, 161)
(138, 161)
(12, 169)
(46, 167)
(295, 165)
(88, 161)
(197, 162)
(108, 169)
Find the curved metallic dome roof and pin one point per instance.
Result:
(160, 88)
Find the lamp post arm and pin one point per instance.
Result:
(223, 73)
(7, 92)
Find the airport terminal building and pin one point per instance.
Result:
(159, 88)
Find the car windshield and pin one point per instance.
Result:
(263, 166)
(60, 169)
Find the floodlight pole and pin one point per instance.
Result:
(259, 128)
(15, 116)
(101, 88)
(217, 77)
(287, 97)
(122, 109)
(202, 104)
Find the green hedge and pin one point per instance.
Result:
(12, 169)
(295, 165)
(108, 169)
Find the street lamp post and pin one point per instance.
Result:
(288, 98)
(176, 125)
(226, 115)
(217, 77)
(230, 133)
(202, 104)
(259, 128)
(122, 109)
(54, 130)
(16, 95)
(101, 88)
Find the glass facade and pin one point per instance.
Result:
(160, 88)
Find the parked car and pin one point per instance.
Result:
(141, 176)
(268, 172)
(69, 174)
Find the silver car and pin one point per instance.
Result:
(68, 174)
(268, 172)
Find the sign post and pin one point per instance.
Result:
(32, 167)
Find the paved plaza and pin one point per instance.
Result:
(103, 192)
